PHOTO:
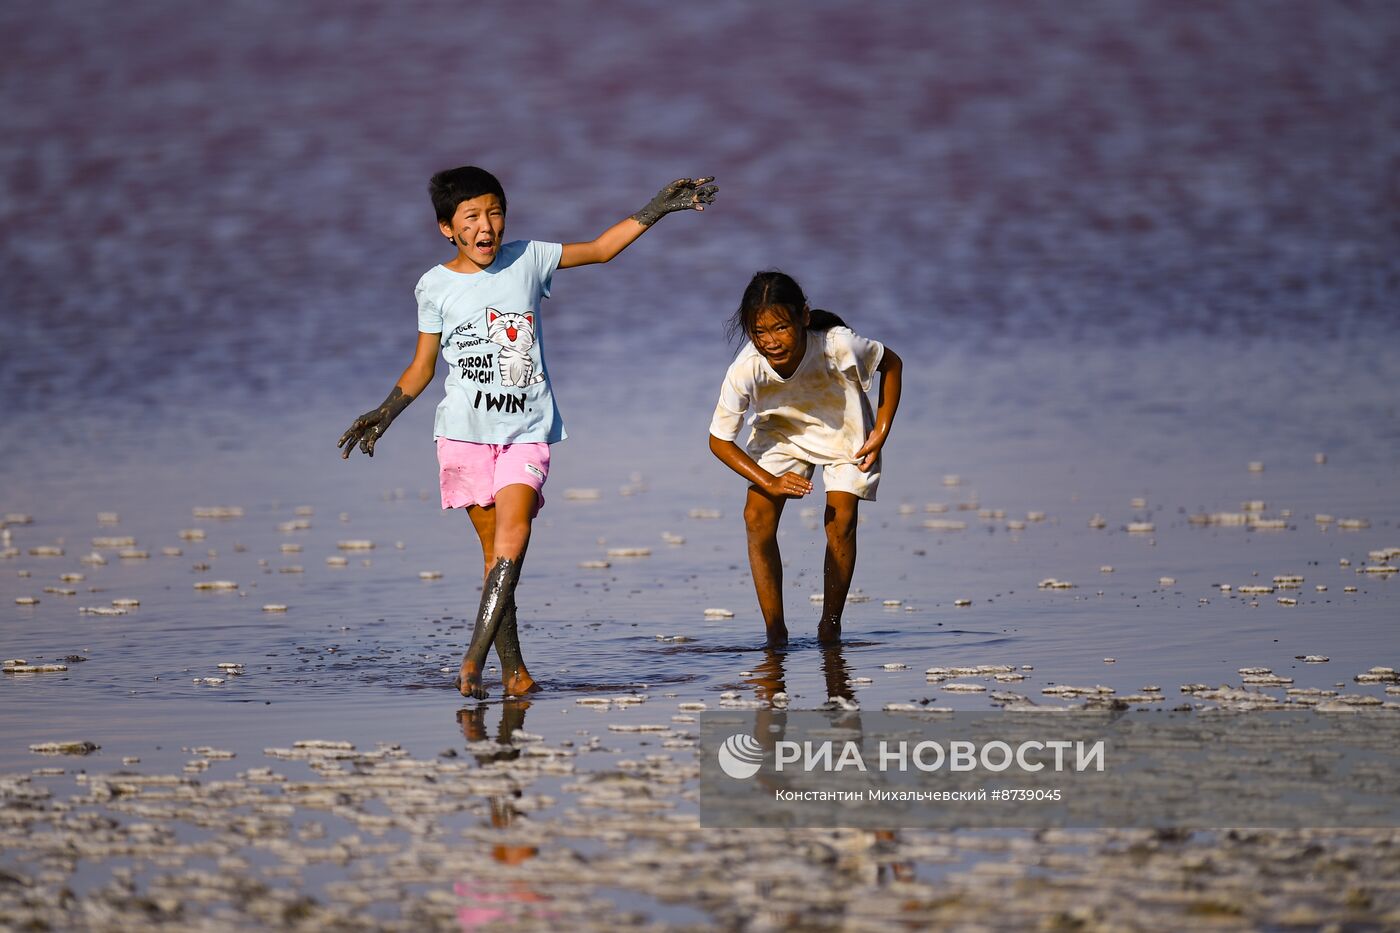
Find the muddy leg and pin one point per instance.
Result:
(504, 530)
(515, 509)
(496, 597)
(515, 678)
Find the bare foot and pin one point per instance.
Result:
(520, 683)
(828, 633)
(469, 681)
(777, 637)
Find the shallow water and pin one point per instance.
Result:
(1124, 254)
(373, 632)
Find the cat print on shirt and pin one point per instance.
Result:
(515, 334)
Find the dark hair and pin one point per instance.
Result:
(452, 186)
(774, 289)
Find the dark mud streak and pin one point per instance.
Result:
(683, 194)
(370, 427)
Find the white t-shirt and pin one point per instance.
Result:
(492, 338)
(820, 414)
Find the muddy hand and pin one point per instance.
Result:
(366, 428)
(683, 194)
(371, 426)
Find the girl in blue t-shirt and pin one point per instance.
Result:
(494, 427)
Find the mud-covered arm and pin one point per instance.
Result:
(734, 457)
(369, 427)
(891, 370)
(683, 194)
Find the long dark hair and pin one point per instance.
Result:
(774, 289)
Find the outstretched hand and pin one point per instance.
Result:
(683, 194)
(370, 426)
(365, 430)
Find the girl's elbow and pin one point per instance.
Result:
(599, 252)
(418, 377)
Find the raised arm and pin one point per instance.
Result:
(891, 370)
(683, 194)
(370, 426)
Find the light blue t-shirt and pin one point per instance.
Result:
(491, 336)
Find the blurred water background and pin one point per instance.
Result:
(229, 206)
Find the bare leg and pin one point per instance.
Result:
(840, 563)
(507, 526)
(761, 514)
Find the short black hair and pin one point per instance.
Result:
(452, 186)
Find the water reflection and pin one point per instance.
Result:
(838, 675)
(473, 723)
(769, 676)
(490, 905)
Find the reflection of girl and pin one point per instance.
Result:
(488, 905)
(770, 677)
(803, 377)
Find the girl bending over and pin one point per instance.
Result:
(803, 377)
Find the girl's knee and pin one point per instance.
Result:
(514, 515)
(841, 532)
(841, 519)
(511, 540)
(760, 519)
(511, 546)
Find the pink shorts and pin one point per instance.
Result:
(472, 474)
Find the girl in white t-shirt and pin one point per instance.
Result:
(803, 377)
